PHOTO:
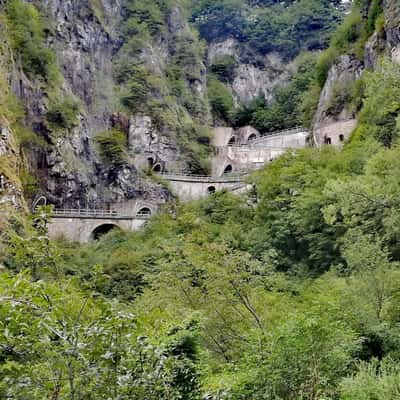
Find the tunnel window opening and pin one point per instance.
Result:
(144, 212)
(228, 169)
(252, 137)
(157, 168)
(211, 189)
(150, 161)
(341, 137)
(232, 141)
(328, 140)
(102, 230)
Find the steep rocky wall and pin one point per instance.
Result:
(85, 37)
(85, 46)
(333, 123)
(335, 120)
(11, 163)
(392, 28)
(251, 79)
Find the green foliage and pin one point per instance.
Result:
(287, 27)
(26, 29)
(232, 299)
(374, 380)
(10, 107)
(224, 68)
(80, 347)
(29, 248)
(381, 108)
(351, 36)
(220, 98)
(112, 147)
(75, 341)
(301, 362)
(62, 113)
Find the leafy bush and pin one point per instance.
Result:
(381, 111)
(351, 36)
(62, 113)
(112, 147)
(220, 98)
(141, 86)
(28, 40)
(224, 68)
(373, 380)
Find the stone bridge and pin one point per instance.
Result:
(194, 187)
(83, 225)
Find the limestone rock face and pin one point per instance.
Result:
(333, 121)
(252, 78)
(251, 81)
(11, 195)
(85, 39)
(392, 29)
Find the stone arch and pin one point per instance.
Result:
(251, 137)
(102, 230)
(228, 169)
(328, 140)
(211, 189)
(232, 141)
(144, 212)
(341, 137)
(157, 168)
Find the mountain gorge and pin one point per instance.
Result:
(287, 290)
(106, 91)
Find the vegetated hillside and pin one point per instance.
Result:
(289, 292)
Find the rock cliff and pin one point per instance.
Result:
(335, 118)
(251, 79)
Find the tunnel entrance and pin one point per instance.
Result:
(102, 230)
(157, 168)
(211, 189)
(252, 137)
(228, 169)
(232, 141)
(144, 212)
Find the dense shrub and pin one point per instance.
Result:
(112, 147)
(351, 35)
(224, 68)
(381, 111)
(62, 113)
(28, 40)
(220, 98)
